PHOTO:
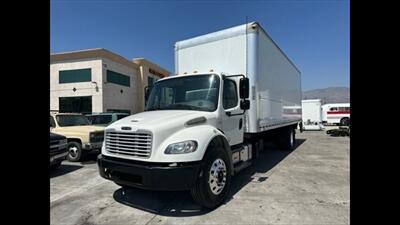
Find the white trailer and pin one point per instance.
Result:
(336, 113)
(233, 89)
(312, 114)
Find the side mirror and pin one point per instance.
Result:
(245, 104)
(244, 88)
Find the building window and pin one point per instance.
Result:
(150, 81)
(117, 78)
(73, 76)
(76, 104)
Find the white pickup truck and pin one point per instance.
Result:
(201, 127)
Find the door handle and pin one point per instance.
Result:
(240, 123)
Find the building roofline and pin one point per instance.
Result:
(143, 61)
(91, 53)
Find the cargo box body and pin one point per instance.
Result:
(312, 114)
(275, 82)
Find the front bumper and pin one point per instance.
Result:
(150, 176)
(91, 146)
(58, 157)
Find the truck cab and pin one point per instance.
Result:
(184, 139)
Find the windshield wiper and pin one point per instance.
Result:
(182, 106)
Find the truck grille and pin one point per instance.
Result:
(136, 144)
(55, 147)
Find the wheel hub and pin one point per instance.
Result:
(291, 139)
(73, 151)
(217, 178)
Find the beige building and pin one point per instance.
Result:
(97, 80)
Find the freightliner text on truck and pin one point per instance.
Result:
(233, 89)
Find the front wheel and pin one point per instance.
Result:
(213, 185)
(74, 151)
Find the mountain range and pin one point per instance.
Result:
(329, 95)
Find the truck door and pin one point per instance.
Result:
(232, 118)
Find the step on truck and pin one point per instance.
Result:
(206, 123)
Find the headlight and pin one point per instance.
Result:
(181, 147)
(92, 135)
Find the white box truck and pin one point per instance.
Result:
(312, 114)
(233, 89)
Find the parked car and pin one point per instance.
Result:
(58, 149)
(81, 135)
(104, 119)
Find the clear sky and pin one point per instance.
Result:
(314, 34)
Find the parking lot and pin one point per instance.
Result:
(310, 185)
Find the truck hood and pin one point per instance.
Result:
(160, 120)
(166, 127)
(84, 130)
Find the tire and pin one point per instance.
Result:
(301, 128)
(55, 166)
(345, 121)
(74, 151)
(288, 139)
(207, 192)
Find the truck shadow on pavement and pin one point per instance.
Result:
(63, 169)
(180, 203)
(90, 158)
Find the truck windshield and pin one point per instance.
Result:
(198, 92)
(72, 120)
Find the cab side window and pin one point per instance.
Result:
(230, 96)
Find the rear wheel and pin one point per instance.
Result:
(288, 138)
(213, 185)
(74, 151)
(345, 121)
